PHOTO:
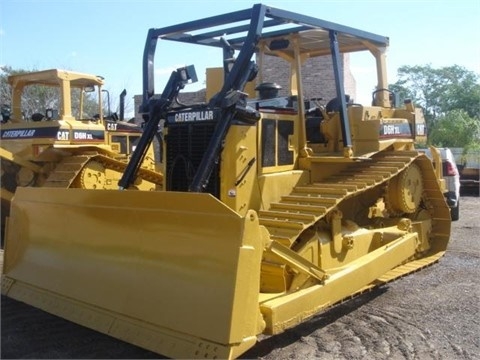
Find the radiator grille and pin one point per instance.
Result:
(186, 144)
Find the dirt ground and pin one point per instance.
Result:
(432, 314)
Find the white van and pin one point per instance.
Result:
(452, 180)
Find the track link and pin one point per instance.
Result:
(67, 170)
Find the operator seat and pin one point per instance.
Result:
(334, 104)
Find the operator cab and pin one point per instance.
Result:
(68, 96)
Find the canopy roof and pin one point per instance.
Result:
(273, 23)
(53, 77)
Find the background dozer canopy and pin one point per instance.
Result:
(65, 81)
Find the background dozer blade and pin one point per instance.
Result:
(176, 273)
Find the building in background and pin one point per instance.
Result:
(317, 74)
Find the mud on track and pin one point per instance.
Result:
(432, 314)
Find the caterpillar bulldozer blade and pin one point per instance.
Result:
(144, 280)
(262, 221)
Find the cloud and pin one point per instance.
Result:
(2, 32)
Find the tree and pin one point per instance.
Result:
(461, 91)
(450, 98)
(439, 91)
(455, 129)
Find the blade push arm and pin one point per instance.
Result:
(157, 109)
(230, 98)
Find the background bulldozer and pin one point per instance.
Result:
(62, 146)
(261, 224)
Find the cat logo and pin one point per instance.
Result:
(194, 116)
(421, 130)
(63, 135)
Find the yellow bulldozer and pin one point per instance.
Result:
(262, 222)
(62, 146)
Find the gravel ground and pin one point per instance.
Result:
(432, 314)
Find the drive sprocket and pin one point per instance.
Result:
(404, 192)
(92, 176)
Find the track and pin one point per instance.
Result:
(306, 205)
(66, 172)
(288, 218)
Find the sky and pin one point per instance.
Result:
(107, 37)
